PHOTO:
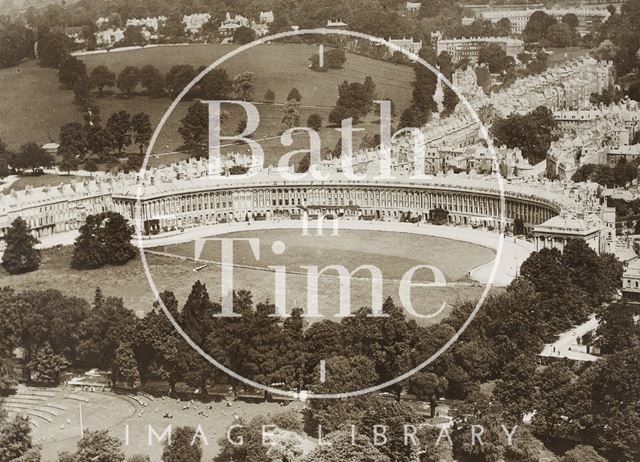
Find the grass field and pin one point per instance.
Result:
(34, 106)
(394, 253)
(563, 55)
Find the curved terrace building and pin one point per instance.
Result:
(184, 196)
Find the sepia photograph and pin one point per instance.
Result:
(319, 231)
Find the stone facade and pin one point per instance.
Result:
(469, 47)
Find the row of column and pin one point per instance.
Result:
(214, 206)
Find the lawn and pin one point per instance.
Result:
(34, 106)
(393, 253)
(37, 181)
(563, 55)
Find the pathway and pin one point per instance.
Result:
(566, 346)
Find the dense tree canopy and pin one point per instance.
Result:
(20, 255)
(532, 133)
(105, 239)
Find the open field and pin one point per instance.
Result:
(34, 106)
(176, 274)
(352, 248)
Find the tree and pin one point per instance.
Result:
(70, 157)
(354, 101)
(133, 36)
(515, 389)
(119, 126)
(335, 59)
(52, 48)
(495, 57)
(582, 453)
(15, 440)
(571, 20)
(340, 447)
(244, 35)
(537, 26)
(128, 79)
(5, 159)
(269, 96)
(532, 133)
(427, 385)
(108, 325)
(104, 239)
(425, 84)
(503, 27)
(73, 136)
(294, 95)
(125, 367)
(99, 139)
(141, 126)
(291, 113)
(281, 23)
(71, 69)
(99, 445)
(82, 90)
(243, 85)
(559, 35)
(617, 329)
(165, 342)
(194, 129)
(178, 78)
(195, 319)
(216, 85)
(152, 80)
(20, 255)
(411, 117)
(606, 51)
(8, 375)
(314, 121)
(184, 446)
(47, 365)
(394, 416)
(102, 77)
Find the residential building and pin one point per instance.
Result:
(266, 17)
(109, 36)
(413, 8)
(588, 18)
(193, 23)
(469, 47)
(407, 44)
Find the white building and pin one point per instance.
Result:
(193, 23)
(151, 24)
(266, 17)
(407, 44)
(230, 24)
(555, 232)
(413, 8)
(588, 18)
(339, 25)
(109, 36)
(631, 281)
(469, 47)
